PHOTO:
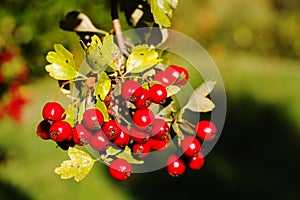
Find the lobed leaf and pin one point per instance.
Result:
(78, 167)
(141, 58)
(62, 65)
(198, 102)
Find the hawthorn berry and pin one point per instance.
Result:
(99, 141)
(196, 162)
(142, 119)
(164, 78)
(124, 137)
(53, 111)
(190, 146)
(206, 130)
(120, 169)
(144, 101)
(81, 135)
(160, 129)
(130, 90)
(141, 149)
(60, 131)
(159, 144)
(180, 74)
(111, 129)
(43, 129)
(175, 166)
(158, 93)
(138, 135)
(93, 118)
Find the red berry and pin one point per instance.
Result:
(196, 162)
(179, 73)
(158, 93)
(60, 131)
(164, 78)
(144, 101)
(123, 138)
(53, 111)
(129, 90)
(93, 118)
(111, 129)
(120, 169)
(160, 129)
(142, 119)
(141, 149)
(190, 146)
(206, 130)
(99, 141)
(81, 135)
(43, 129)
(175, 166)
(157, 144)
(138, 135)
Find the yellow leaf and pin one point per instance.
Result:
(78, 167)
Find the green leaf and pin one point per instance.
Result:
(103, 86)
(62, 65)
(78, 167)
(126, 155)
(162, 11)
(70, 118)
(100, 54)
(111, 151)
(172, 90)
(186, 128)
(142, 58)
(198, 102)
(102, 107)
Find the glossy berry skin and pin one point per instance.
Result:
(158, 93)
(53, 111)
(206, 130)
(128, 88)
(160, 129)
(142, 119)
(60, 131)
(81, 135)
(144, 101)
(159, 144)
(164, 78)
(99, 141)
(124, 137)
(175, 166)
(93, 118)
(120, 169)
(179, 73)
(196, 162)
(111, 129)
(141, 149)
(190, 146)
(138, 135)
(43, 129)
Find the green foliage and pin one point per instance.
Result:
(141, 58)
(78, 167)
(62, 65)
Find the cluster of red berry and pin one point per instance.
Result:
(191, 146)
(136, 126)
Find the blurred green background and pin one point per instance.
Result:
(256, 46)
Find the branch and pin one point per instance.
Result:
(117, 27)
